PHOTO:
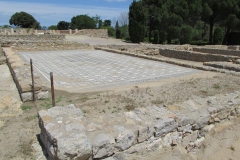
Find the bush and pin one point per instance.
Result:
(186, 35)
(156, 37)
(218, 36)
(118, 34)
(111, 31)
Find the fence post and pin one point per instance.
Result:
(52, 89)
(33, 88)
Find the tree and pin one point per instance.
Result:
(186, 35)
(118, 31)
(82, 22)
(100, 24)
(156, 37)
(107, 22)
(24, 20)
(96, 20)
(218, 36)
(110, 29)
(62, 25)
(53, 27)
(123, 18)
(137, 21)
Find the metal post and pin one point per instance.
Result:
(33, 88)
(52, 89)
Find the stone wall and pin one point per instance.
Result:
(218, 51)
(102, 33)
(30, 38)
(67, 134)
(195, 56)
(21, 74)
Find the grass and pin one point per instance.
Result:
(84, 98)
(232, 148)
(25, 108)
(69, 101)
(59, 99)
(216, 86)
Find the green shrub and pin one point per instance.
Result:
(218, 36)
(156, 37)
(111, 31)
(186, 35)
(118, 34)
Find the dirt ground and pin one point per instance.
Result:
(19, 132)
(18, 135)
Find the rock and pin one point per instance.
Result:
(138, 148)
(190, 138)
(238, 110)
(42, 95)
(74, 127)
(93, 127)
(120, 156)
(102, 146)
(132, 115)
(183, 120)
(3, 60)
(75, 145)
(27, 96)
(125, 138)
(144, 134)
(164, 126)
(155, 145)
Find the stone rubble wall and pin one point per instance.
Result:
(101, 33)
(21, 74)
(30, 38)
(171, 61)
(196, 56)
(224, 65)
(236, 48)
(218, 51)
(3, 59)
(67, 134)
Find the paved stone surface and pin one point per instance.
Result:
(84, 69)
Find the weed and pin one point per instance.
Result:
(216, 86)
(203, 92)
(84, 98)
(30, 118)
(69, 101)
(59, 99)
(25, 108)
(130, 107)
(232, 148)
(109, 107)
(84, 111)
(106, 101)
(103, 111)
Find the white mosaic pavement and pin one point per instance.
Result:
(82, 69)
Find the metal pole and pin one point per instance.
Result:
(33, 88)
(52, 89)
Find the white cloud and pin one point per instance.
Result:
(48, 14)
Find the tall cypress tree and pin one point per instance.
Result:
(137, 21)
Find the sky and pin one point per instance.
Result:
(50, 12)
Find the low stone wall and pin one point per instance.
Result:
(102, 33)
(218, 51)
(224, 65)
(67, 134)
(236, 48)
(21, 74)
(3, 59)
(30, 38)
(195, 56)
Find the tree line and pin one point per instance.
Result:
(184, 21)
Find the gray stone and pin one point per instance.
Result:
(3, 60)
(164, 126)
(138, 148)
(102, 146)
(143, 134)
(155, 145)
(189, 138)
(202, 118)
(183, 120)
(125, 138)
(74, 127)
(42, 95)
(75, 145)
(27, 96)
(238, 110)
(132, 115)
(120, 156)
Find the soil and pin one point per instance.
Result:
(19, 132)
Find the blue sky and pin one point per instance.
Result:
(50, 12)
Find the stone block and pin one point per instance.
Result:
(42, 95)
(164, 126)
(125, 138)
(144, 133)
(28, 96)
(102, 146)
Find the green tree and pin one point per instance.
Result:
(118, 31)
(62, 25)
(96, 20)
(111, 31)
(82, 22)
(186, 35)
(100, 24)
(218, 35)
(24, 20)
(156, 37)
(124, 31)
(53, 27)
(137, 21)
(107, 22)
